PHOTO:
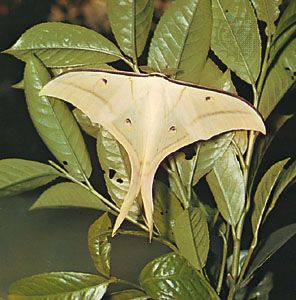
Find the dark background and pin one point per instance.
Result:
(56, 240)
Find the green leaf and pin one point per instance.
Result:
(209, 152)
(167, 208)
(285, 179)
(131, 22)
(212, 76)
(55, 123)
(64, 45)
(192, 236)
(59, 286)
(98, 244)
(273, 125)
(128, 295)
(182, 38)
(279, 80)
(19, 85)
(115, 164)
(263, 192)
(235, 37)
(171, 277)
(186, 170)
(227, 186)
(268, 12)
(269, 246)
(263, 289)
(241, 140)
(19, 175)
(85, 123)
(68, 194)
(286, 17)
(282, 39)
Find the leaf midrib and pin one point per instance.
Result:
(237, 44)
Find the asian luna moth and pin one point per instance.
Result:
(151, 116)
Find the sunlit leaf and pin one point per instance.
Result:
(192, 236)
(115, 164)
(268, 12)
(128, 295)
(263, 192)
(62, 45)
(98, 244)
(68, 194)
(166, 210)
(280, 79)
(182, 38)
(285, 179)
(55, 123)
(130, 22)
(235, 37)
(59, 286)
(209, 152)
(19, 175)
(85, 123)
(171, 277)
(269, 246)
(227, 186)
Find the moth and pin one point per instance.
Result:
(151, 116)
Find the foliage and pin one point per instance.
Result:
(230, 162)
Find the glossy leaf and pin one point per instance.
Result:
(171, 277)
(20, 175)
(235, 37)
(55, 123)
(279, 80)
(166, 210)
(192, 236)
(128, 295)
(64, 45)
(263, 192)
(227, 186)
(182, 38)
(268, 12)
(115, 164)
(85, 123)
(269, 246)
(68, 194)
(98, 244)
(274, 125)
(285, 179)
(59, 286)
(131, 22)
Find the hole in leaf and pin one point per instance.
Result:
(119, 180)
(104, 80)
(111, 173)
(287, 69)
(65, 163)
(226, 10)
